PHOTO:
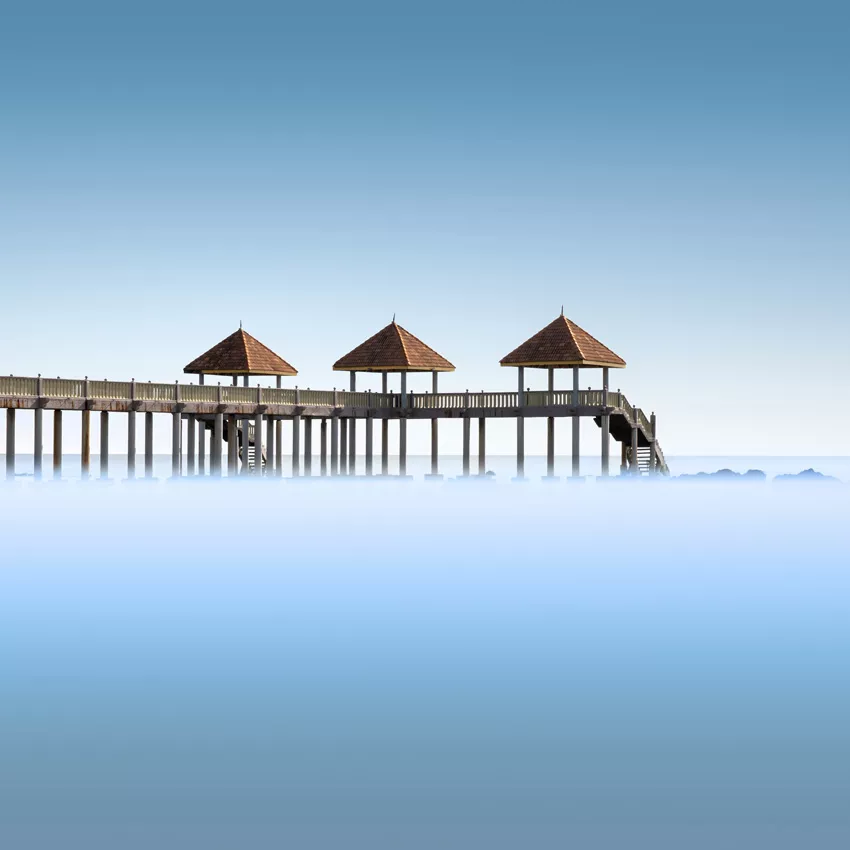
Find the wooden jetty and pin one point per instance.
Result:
(250, 419)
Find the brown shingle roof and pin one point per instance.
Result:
(240, 354)
(393, 349)
(563, 343)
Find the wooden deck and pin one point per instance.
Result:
(627, 424)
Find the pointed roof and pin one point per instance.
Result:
(240, 354)
(393, 349)
(560, 344)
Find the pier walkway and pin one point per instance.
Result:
(213, 407)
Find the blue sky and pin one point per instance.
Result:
(675, 174)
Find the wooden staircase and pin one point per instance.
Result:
(252, 448)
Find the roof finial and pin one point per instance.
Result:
(393, 318)
(240, 324)
(562, 309)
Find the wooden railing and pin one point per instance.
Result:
(208, 394)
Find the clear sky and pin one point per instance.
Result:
(677, 175)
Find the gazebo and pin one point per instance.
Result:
(392, 349)
(240, 354)
(562, 344)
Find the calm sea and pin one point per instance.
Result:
(276, 664)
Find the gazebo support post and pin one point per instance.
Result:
(466, 430)
(435, 430)
(550, 428)
(576, 425)
(104, 444)
(343, 445)
(385, 433)
(606, 427)
(131, 443)
(352, 441)
(190, 444)
(232, 446)
(323, 447)
(482, 445)
(520, 426)
(370, 428)
(623, 457)
(308, 446)
(335, 445)
(148, 445)
(245, 380)
(402, 430)
(57, 444)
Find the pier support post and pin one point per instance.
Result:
(57, 445)
(606, 427)
(271, 460)
(520, 425)
(343, 445)
(576, 456)
(176, 448)
(244, 445)
(635, 465)
(202, 446)
(624, 458)
(217, 441)
(435, 430)
(482, 446)
(148, 445)
(296, 446)
(131, 444)
(258, 443)
(308, 446)
(335, 445)
(385, 433)
(466, 429)
(370, 428)
(274, 458)
(653, 452)
(232, 446)
(38, 442)
(323, 446)
(10, 443)
(104, 444)
(550, 428)
(190, 444)
(278, 451)
(85, 444)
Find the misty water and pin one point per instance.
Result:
(336, 664)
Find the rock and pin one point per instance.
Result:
(807, 475)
